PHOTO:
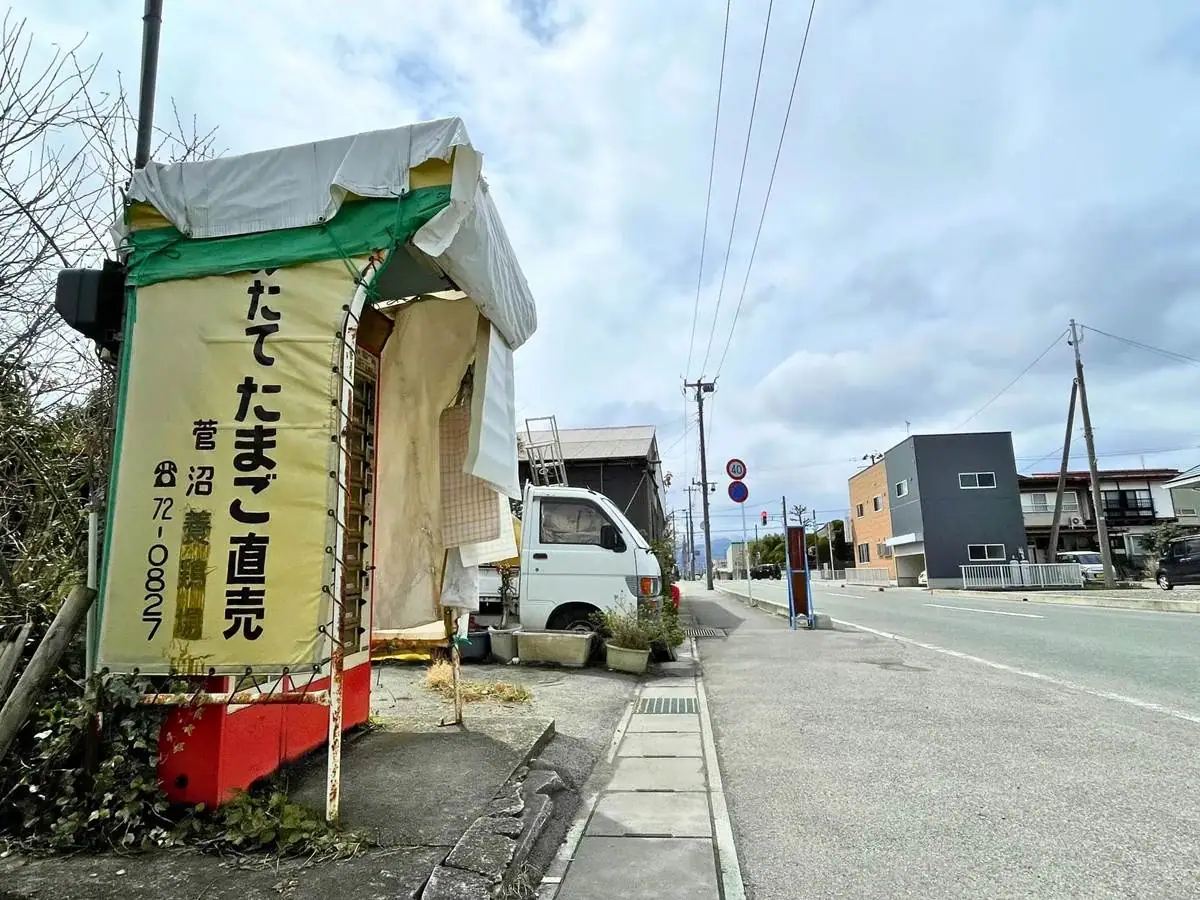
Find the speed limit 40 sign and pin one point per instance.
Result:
(735, 469)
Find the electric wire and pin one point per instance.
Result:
(1169, 354)
(741, 183)
(1004, 390)
(712, 165)
(770, 185)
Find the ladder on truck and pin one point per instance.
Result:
(543, 452)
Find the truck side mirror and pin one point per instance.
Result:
(610, 539)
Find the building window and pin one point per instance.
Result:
(858, 510)
(902, 488)
(985, 552)
(864, 553)
(970, 481)
(571, 522)
(1044, 502)
(877, 503)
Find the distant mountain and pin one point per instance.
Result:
(720, 547)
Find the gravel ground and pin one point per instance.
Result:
(857, 766)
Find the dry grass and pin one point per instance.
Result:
(440, 678)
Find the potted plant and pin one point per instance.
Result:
(627, 647)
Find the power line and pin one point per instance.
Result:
(712, 165)
(1024, 372)
(1169, 354)
(741, 181)
(770, 185)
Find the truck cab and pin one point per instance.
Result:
(579, 555)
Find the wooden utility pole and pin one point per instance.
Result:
(702, 388)
(43, 665)
(1062, 475)
(1110, 579)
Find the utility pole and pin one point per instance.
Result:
(1062, 474)
(1093, 469)
(691, 537)
(702, 388)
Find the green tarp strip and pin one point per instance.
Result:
(165, 254)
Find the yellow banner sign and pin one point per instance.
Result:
(216, 556)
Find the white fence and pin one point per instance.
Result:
(825, 574)
(868, 576)
(1008, 576)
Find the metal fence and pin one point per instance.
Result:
(868, 576)
(1008, 576)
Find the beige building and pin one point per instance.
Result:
(871, 520)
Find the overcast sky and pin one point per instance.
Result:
(958, 180)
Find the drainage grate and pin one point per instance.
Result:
(667, 705)
(697, 632)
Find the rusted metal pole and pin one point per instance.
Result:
(43, 665)
(239, 698)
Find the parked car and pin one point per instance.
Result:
(1089, 562)
(1180, 563)
(766, 570)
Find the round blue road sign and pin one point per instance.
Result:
(738, 492)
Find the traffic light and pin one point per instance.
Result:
(764, 517)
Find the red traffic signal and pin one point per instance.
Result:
(764, 517)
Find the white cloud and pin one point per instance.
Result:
(958, 180)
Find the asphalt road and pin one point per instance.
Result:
(1152, 657)
(957, 753)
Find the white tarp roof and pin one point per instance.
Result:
(293, 187)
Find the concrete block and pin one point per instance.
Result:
(651, 815)
(483, 851)
(659, 743)
(454, 884)
(634, 868)
(682, 722)
(642, 773)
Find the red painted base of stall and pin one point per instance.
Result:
(209, 754)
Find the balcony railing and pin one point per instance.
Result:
(1009, 576)
(1128, 511)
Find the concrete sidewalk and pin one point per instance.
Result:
(655, 824)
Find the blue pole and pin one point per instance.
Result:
(787, 565)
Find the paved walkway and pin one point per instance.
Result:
(655, 824)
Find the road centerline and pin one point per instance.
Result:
(990, 612)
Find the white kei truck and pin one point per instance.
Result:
(579, 554)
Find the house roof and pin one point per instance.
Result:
(1041, 478)
(1190, 478)
(616, 442)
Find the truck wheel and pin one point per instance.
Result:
(1164, 581)
(573, 617)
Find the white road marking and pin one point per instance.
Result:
(990, 612)
(1037, 676)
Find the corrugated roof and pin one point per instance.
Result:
(617, 442)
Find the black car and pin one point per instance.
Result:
(1180, 563)
(766, 570)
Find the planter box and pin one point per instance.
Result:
(625, 660)
(476, 649)
(504, 643)
(563, 648)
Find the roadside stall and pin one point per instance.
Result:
(316, 436)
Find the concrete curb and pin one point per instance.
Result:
(1135, 604)
(491, 851)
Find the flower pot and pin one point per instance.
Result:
(624, 660)
(561, 648)
(504, 643)
(476, 648)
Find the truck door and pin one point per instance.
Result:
(566, 563)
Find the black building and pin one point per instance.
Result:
(621, 462)
(954, 501)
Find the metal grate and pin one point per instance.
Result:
(697, 632)
(667, 705)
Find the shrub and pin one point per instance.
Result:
(626, 629)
